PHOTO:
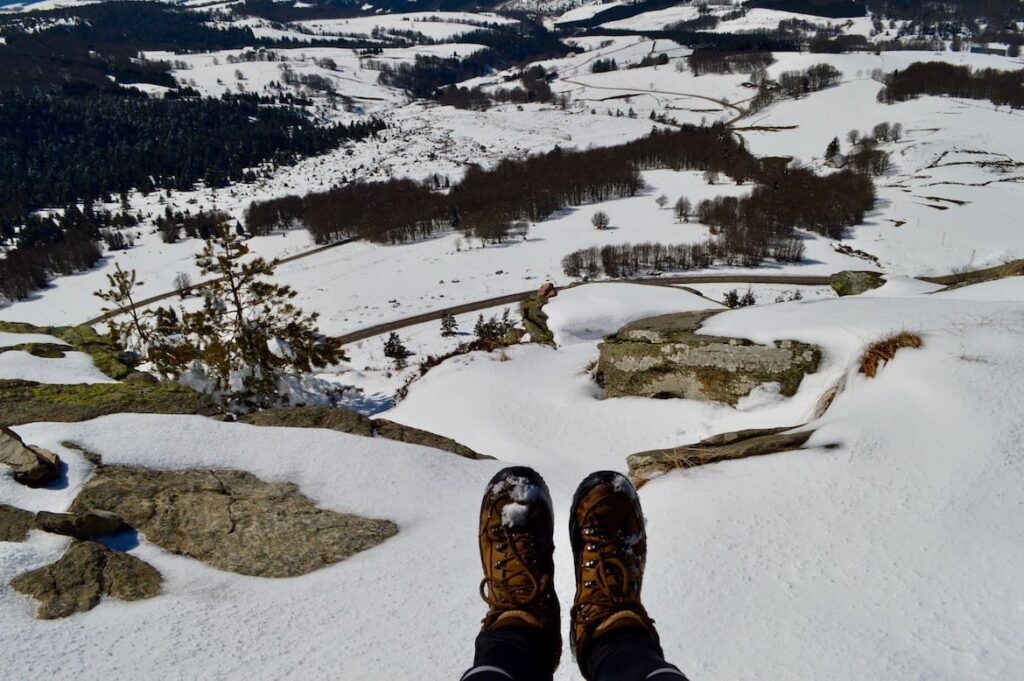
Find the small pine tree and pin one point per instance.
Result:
(134, 334)
(748, 299)
(396, 350)
(833, 149)
(732, 299)
(600, 220)
(449, 327)
(662, 201)
(247, 335)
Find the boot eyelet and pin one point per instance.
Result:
(499, 564)
(590, 564)
(501, 547)
(590, 547)
(589, 584)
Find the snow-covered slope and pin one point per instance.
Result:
(892, 556)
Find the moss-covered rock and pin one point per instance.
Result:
(663, 357)
(852, 283)
(28, 402)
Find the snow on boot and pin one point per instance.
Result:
(516, 547)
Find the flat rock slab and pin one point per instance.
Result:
(15, 523)
(664, 357)
(87, 525)
(231, 519)
(646, 466)
(346, 421)
(32, 466)
(84, 573)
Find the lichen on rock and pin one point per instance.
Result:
(86, 572)
(664, 357)
(231, 519)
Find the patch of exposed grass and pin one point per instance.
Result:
(884, 350)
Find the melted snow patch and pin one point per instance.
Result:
(74, 367)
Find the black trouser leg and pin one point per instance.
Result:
(511, 654)
(629, 655)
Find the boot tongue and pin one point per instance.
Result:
(624, 619)
(516, 618)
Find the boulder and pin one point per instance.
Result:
(32, 466)
(231, 519)
(345, 421)
(854, 283)
(663, 357)
(727, 446)
(15, 523)
(84, 573)
(85, 525)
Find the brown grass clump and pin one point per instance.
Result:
(882, 351)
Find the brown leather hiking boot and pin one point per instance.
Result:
(609, 547)
(516, 547)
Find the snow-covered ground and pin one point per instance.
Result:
(894, 556)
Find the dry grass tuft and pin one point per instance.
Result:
(826, 400)
(882, 351)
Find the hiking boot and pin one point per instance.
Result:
(609, 547)
(516, 547)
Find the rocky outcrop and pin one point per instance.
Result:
(231, 519)
(15, 523)
(84, 573)
(535, 320)
(345, 421)
(29, 402)
(85, 525)
(663, 357)
(727, 446)
(854, 283)
(32, 466)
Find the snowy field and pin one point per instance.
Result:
(893, 556)
(434, 25)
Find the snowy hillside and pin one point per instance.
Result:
(903, 539)
(613, 210)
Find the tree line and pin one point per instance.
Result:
(58, 149)
(505, 46)
(708, 60)
(63, 243)
(938, 78)
(489, 204)
(532, 88)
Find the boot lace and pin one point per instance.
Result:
(616, 582)
(519, 586)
